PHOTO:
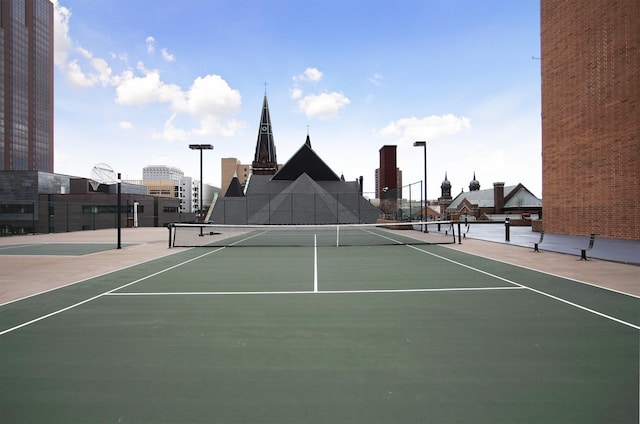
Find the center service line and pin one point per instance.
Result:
(315, 263)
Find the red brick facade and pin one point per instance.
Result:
(388, 170)
(590, 117)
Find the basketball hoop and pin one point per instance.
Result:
(102, 174)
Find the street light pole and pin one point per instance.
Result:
(423, 144)
(201, 147)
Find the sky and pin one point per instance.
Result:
(137, 81)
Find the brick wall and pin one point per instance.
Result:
(388, 168)
(590, 117)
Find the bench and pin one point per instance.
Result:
(583, 252)
(535, 245)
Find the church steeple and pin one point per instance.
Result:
(445, 188)
(474, 185)
(265, 161)
(308, 140)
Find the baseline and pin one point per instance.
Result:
(266, 293)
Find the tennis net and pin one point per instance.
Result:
(221, 235)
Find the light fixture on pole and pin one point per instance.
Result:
(201, 147)
(423, 144)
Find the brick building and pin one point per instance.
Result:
(590, 117)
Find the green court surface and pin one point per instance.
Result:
(57, 249)
(384, 334)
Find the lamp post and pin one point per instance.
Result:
(201, 147)
(119, 246)
(423, 144)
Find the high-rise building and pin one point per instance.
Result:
(590, 117)
(162, 172)
(388, 176)
(26, 85)
(230, 168)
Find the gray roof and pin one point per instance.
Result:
(522, 198)
(516, 196)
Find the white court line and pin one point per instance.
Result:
(17, 246)
(557, 275)
(248, 238)
(567, 302)
(315, 263)
(9, 330)
(254, 293)
(518, 286)
(385, 237)
(84, 279)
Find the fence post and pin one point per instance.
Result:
(33, 218)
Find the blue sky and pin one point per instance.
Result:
(137, 81)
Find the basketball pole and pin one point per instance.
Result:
(424, 214)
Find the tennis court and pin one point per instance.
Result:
(311, 333)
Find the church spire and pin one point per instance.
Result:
(308, 140)
(474, 185)
(265, 161)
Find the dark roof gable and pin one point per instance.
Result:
(235, 188)
(305, 160)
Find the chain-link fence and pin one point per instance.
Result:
(403, 204)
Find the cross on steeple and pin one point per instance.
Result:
(308, 140)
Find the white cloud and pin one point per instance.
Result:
(211, 125)
(407, 130)
(211, 95)
(75, 75)
(296, 93)
(139, 91)
(167, 56)
(84, 53)
(62, 43)
(323, 106)
(171, 132)
(309, 75)
(151, 44)
(209, 100)
(376, 78)
(103, 71)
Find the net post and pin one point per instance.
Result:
(337, 235)
(507, 236)
(459, 234)
(169, 227)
